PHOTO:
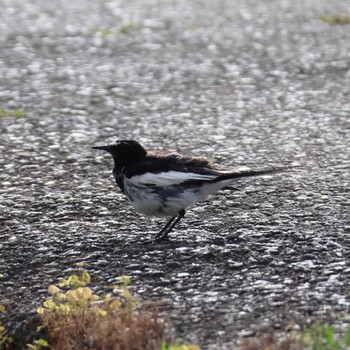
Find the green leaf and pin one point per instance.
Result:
(125, 280)
(75, 281)
(335, 19)
(86, 277)
(80, 264)
(42, 342)
(347, 337)
(105, 32)
(328, 333)
(49, 304)
(125, 29)
(16, 113)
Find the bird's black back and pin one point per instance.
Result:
(157, 163)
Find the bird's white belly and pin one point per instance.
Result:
(149, 202)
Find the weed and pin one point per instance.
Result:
(177, 346)
(74, 318)
(38, 344)
(335, 19)
(270, 342)
(324, 337)
(105, 32)
(16, 113)
(317, 337)
(125, 29)
(5, 339)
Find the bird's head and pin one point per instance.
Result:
(124, 151)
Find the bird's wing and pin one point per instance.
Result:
(170, 164)
(168, 178)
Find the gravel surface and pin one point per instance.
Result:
(254, 83)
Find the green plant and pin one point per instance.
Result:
(5, 340)
(104, 32)
(178, 346)
(316, 337)
(270, 341)
(335, 19)
(125, 29)
(16, 113)
(38, 344)
(74, 317)
(324, 337)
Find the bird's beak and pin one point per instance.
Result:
(103, 148)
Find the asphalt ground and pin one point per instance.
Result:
(245, 83)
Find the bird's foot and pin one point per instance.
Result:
(161, 239)
(155, 240)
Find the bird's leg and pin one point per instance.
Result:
(163, 233)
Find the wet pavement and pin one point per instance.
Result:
(242, 82)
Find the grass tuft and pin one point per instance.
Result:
(5, 339)
(319, 336)
(16, 113)
(74, 318)
(125, 29)
(106, 32)
(269, 342)
(335, 19)
(324, 336)
(178, 346)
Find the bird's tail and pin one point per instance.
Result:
(225, 179)
(250, 173)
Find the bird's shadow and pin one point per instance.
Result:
(143, 245)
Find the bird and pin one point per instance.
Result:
(165, 184)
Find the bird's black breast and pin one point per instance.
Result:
(119, 178)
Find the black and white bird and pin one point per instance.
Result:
(166, 184)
